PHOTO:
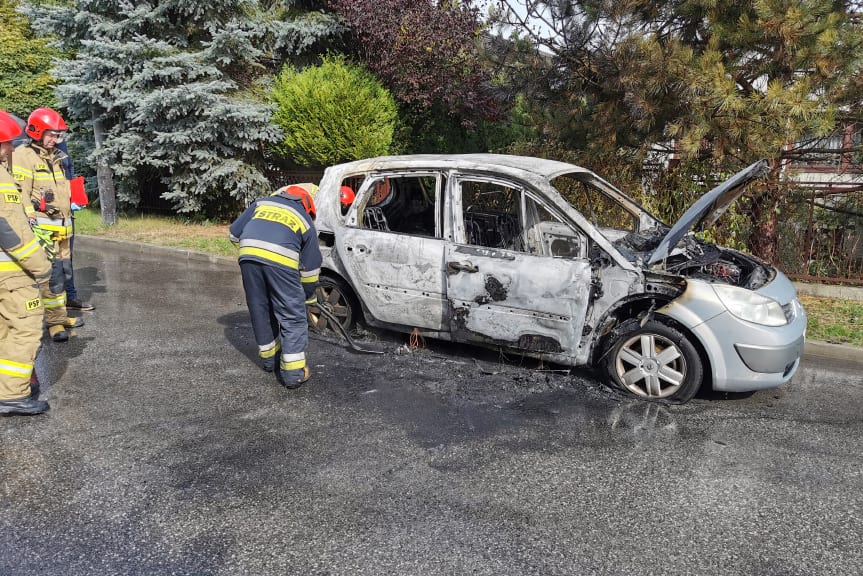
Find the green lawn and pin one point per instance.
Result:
(832, 320)
(205, 237)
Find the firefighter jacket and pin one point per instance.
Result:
(20, 252)
(46, 192)
(277, 231)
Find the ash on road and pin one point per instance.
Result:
(168, 451)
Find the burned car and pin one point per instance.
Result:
(549, 260)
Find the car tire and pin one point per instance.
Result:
(654, 362)
(334, 294)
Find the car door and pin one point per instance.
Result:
(516, 273)
(392, 248)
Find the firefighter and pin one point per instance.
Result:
(346, 198)
(280, 263)
(38, 171)
(24, 267)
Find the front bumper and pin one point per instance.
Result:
(743, 356)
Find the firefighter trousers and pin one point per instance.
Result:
(277, 306)
(55, 303)
(20, 335)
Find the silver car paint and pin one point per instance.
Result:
(724, 336)
(448, 289)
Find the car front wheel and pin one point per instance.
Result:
(654, 361)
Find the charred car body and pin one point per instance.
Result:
(548, 259)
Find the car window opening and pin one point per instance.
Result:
(404, 204)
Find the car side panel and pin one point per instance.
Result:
(524, 301)
(398, 277)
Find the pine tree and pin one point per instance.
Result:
(176, 87)
(728, 82)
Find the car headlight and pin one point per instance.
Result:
(751, 306)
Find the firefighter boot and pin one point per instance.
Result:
(27, 405)
(73, 323)
(35, 386)
(294, 378)
(58, 333)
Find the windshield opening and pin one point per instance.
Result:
(583, 192)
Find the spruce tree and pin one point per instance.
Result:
(724, 82)
(176, 89)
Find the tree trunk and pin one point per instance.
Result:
(105, 179)
(763, 238)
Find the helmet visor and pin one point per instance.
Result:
(57, 135)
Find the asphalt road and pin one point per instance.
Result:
(167, 451)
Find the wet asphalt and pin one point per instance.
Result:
(168, 451)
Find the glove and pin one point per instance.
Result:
(57, 282)
(75, 207)
(46, 240)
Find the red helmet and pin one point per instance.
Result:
(42, 119)
(346, 196)
(9, 127)
(305, 193)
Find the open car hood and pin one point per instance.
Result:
(707, 209)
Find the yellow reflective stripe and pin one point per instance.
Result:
(9, 266)
(29, 210)
(15, 368)
(293, 361)
(269, 350)
(47, 177)
(310, 276)
(270, 247)
(54, 224)
(21, 171)
(312, 300)
(52, 303)
(295, 365)
(267, 255)
(25, 250)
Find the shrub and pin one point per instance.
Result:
(332, 113)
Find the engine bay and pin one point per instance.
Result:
(695, 258)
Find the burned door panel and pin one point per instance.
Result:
(520, 300)
(517, 277)
(398, 278)
(393, 254)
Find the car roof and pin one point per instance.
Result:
(539, 166)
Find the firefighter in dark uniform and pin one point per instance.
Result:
(24, 267)
(280, 262)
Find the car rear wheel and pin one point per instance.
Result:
(334, 296)
(654, 361)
